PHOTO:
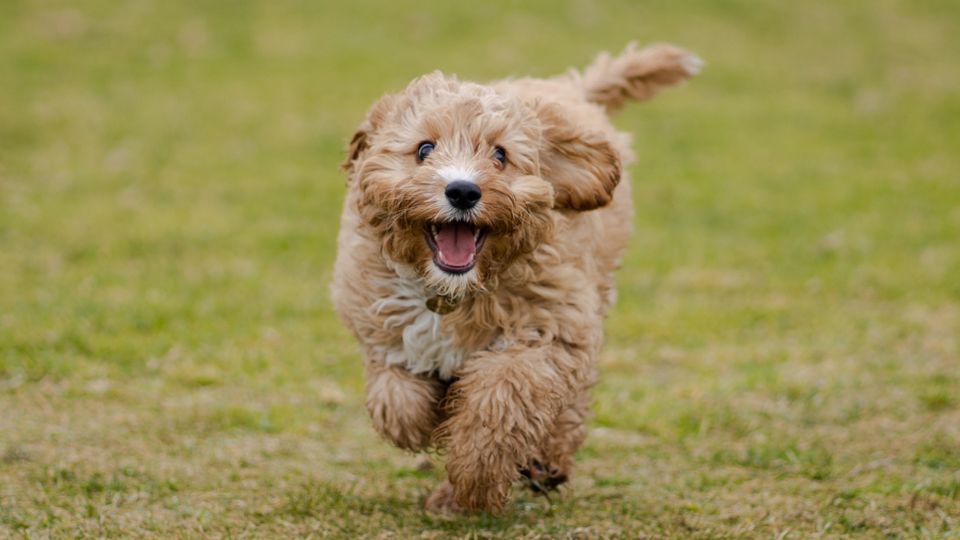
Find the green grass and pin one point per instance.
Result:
(784, 360)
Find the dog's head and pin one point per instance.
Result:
(459, 179)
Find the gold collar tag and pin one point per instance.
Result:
(441, 305)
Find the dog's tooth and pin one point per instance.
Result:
(476, 235)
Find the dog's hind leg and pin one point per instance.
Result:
(554, 465)
(403, 406)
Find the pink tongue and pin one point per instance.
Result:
(455, 244)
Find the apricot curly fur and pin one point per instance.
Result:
(503, 380)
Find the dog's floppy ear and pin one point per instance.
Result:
(361, 139)
(582, 165)
(356, 147)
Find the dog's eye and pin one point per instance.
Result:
(500, 155)
(424, 150)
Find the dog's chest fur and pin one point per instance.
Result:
(425, 348)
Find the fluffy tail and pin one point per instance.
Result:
(635, 74)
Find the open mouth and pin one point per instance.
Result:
(455, 245)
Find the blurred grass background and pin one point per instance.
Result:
(783, 360)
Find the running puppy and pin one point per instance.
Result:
(480, 232)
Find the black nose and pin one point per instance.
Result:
(462, 194)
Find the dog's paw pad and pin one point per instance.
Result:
(542, 479)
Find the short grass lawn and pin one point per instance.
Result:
(783, 361)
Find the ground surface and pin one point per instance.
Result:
(783, 361)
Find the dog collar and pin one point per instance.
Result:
(441, 305)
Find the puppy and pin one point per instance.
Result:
(479, 235)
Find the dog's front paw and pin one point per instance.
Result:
(481, 481)
(480, 467)
(402, 406)
(442, 500)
